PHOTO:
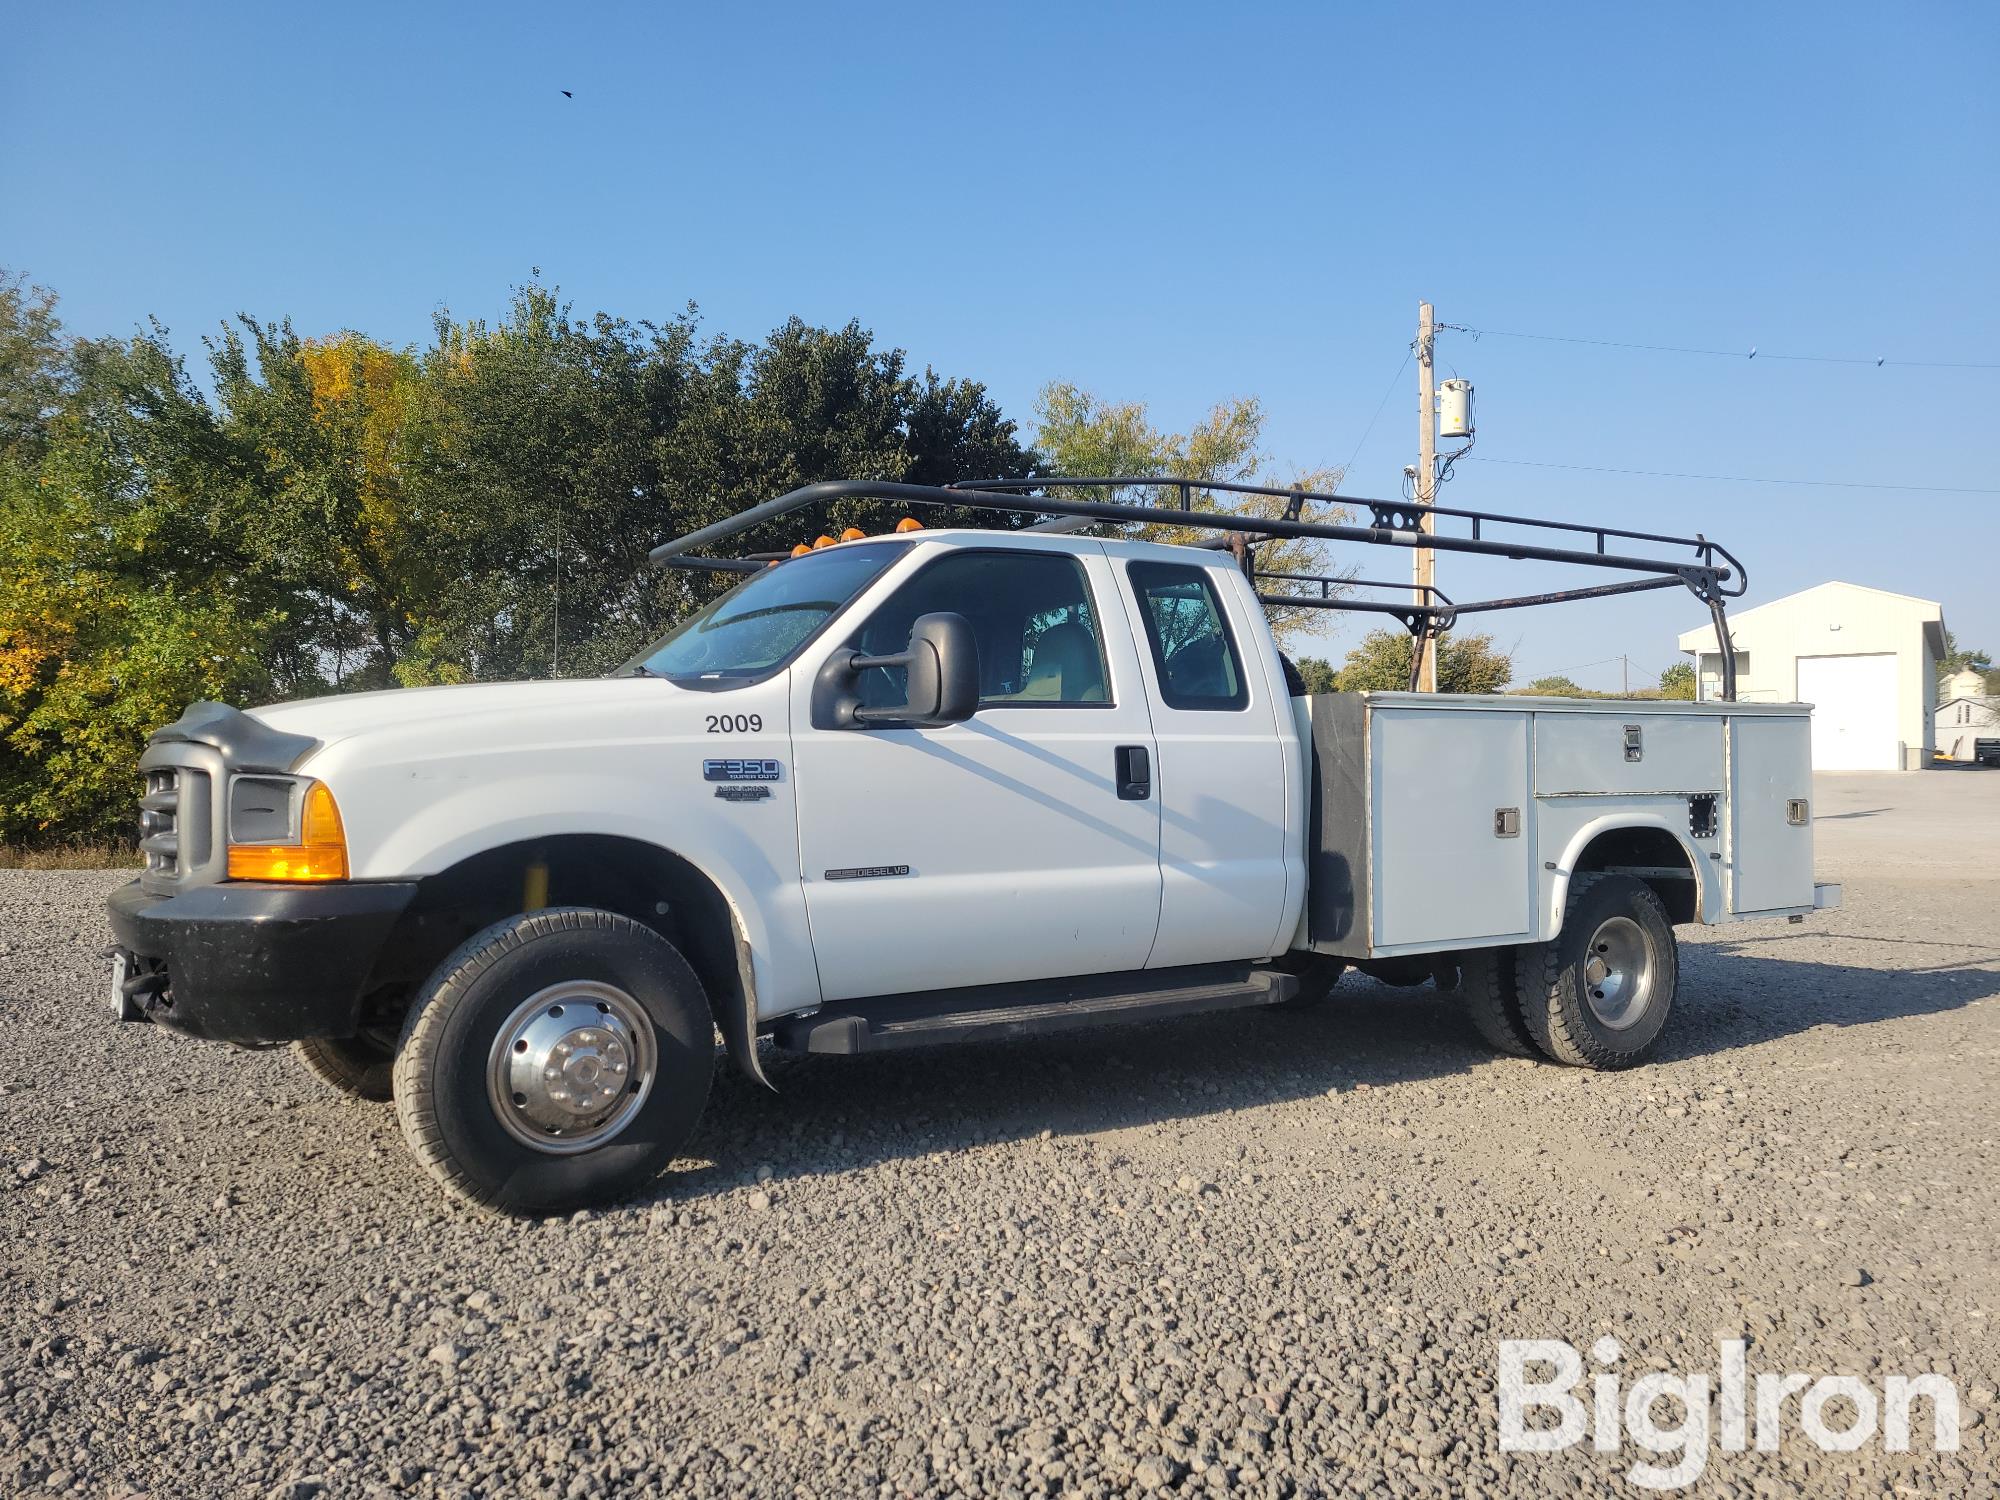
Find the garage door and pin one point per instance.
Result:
(1854, 711)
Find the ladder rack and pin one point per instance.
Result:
(1705, 568)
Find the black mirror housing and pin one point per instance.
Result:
(944, 669)
(941, 664)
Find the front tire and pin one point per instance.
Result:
(557, 1060)
(1599, 993)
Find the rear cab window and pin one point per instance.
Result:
(1194, 653)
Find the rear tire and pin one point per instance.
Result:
(1599, 993)
(1489, 980)
(354, 1065)
(555, 1061)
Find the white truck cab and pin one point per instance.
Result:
(896, 790)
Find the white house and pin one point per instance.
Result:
(1960, 721)
(1866, 659)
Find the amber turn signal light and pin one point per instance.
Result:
(320, 853)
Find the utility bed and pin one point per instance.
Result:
(1440, 823)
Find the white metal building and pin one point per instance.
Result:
(1961, 721)
(1866, 659)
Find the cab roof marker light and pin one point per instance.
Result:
(853, 534)
(909, 523)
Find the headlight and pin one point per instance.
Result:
(284, 828)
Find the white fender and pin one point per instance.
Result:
(1708, 878)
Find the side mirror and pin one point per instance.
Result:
(941, 666)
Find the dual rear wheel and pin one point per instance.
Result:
(1597, 995)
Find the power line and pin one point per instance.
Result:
(1834, 484)
(1387, 391)
(1753, 352)
(1602, 661)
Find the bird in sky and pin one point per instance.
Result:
(567, 94)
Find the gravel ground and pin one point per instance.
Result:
(1262, 1252)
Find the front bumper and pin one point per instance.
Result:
(257, 964)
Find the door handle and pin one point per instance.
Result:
(1135, 773)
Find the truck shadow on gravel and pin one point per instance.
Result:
(1731, 998)
(837, 1114)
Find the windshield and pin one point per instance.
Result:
(757, 625)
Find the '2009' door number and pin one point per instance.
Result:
(735, 723)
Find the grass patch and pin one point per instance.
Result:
(107, 854)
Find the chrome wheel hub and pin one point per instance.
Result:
(571, 1067)
(1618, 973)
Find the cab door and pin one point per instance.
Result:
(1222, 781)
(1006, 848)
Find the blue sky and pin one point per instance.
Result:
(1166, 203)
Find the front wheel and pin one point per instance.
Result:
(557, 1060)
(1599, 993)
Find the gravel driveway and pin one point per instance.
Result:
(1260, 1252)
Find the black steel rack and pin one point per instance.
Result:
(1707, 569)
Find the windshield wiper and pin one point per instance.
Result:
(640, 669)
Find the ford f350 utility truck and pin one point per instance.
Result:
(940, 784)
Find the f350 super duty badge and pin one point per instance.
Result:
(742, 770)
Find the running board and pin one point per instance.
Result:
(989, 1012)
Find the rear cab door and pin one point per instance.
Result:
(1229, 780)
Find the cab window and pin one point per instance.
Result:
(1193, 653)
(762, 623)
(1031, 613)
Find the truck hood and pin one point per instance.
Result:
(482, 709)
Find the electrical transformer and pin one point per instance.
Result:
(1454, 400)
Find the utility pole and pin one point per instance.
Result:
(1626, 677)
(1424, 559)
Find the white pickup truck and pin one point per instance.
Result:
(935, 785)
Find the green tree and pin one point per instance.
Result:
(1081, 435)
(1319, 674)
(1677, 682)
(572, 447)
(342, 514)
(34, 367)
(1957, 658)
(1466, 664)
(1554, 687)
(123, 593)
